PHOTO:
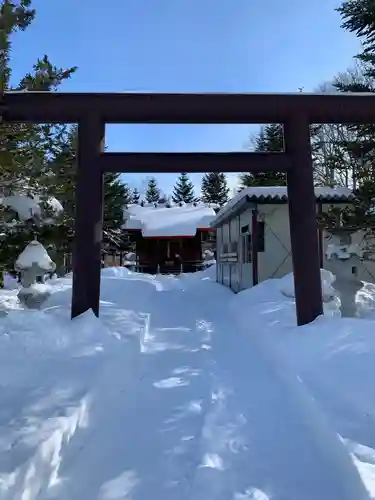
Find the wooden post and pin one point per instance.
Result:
(254, 246)
(89, 217)
(302, 217)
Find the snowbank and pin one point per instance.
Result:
(118, 272)
(183, 389)
(286, 285)
(10, 282)
(333, 357)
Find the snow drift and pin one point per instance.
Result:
(184, 390)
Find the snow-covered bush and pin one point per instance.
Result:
(21, 217)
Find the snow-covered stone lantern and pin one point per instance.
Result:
(343, 258)
(34, 262)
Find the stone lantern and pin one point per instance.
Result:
(34, 262)
(343, 259)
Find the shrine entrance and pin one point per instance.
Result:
(92, 111)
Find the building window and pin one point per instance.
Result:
(245, 229)
(246, 248)
(261, 239)
(224, 248)
(208, 236)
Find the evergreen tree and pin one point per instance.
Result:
(214, 188)
(135, 196)
(183, 190)
(117, 195)
(25, 149)
(358, 17)
(269, 139)
(153, 192)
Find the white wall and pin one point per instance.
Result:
(276, 261)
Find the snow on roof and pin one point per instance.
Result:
(173, 221)
(34, 253)
(27, 207)
(271, 194)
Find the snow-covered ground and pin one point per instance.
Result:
(183, 390)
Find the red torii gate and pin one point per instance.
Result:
(93, 110)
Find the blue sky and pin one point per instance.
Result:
(187, 46)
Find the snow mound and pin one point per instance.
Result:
(10, 282)
(118, 272)
(182, 389)
(286, 285)
(209, 273)
(365, 300)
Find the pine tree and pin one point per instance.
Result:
(117, 195)
(135, 196)
(25, 149)
(358, 17)
(153, 192)
(269, 139)
(214, 188)
(183, 191)
(62, 182)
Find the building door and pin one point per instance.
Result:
(174, 249)
(245, 257)
(162, 251)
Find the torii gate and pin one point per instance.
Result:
(93, 110)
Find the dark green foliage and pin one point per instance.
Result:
(25, 149)
(153, 192)
(269, 139)
(63, 180)
(116, 196)
(135, 196)
(214, 188)
(183, 191)
(359, 17)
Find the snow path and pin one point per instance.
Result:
(154, 430)
(183, 405)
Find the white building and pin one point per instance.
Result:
(264, 211)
